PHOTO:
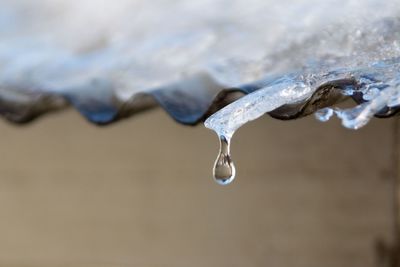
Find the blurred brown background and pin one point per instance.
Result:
(140, 193)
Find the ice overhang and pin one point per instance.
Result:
(112, 61)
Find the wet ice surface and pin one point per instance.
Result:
(111, 60)
(285, 90)
(99, 56)
(376, 100)
(377, 84)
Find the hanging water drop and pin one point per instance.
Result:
(224, 169)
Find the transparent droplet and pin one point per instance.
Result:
(224, 169)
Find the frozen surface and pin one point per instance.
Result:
(101, 56)
(281, 91)
(377, 85)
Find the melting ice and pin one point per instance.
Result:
(378, 84)
(132, 46)
(137, 45)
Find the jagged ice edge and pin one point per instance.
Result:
(359, 116)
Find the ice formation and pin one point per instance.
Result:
(362, 48)
(112, 59)
(378, 84)
(282, 91)
(359, 60)
(101, 56)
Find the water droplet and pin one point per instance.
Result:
(224, 169)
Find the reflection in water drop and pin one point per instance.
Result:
(224, 170)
